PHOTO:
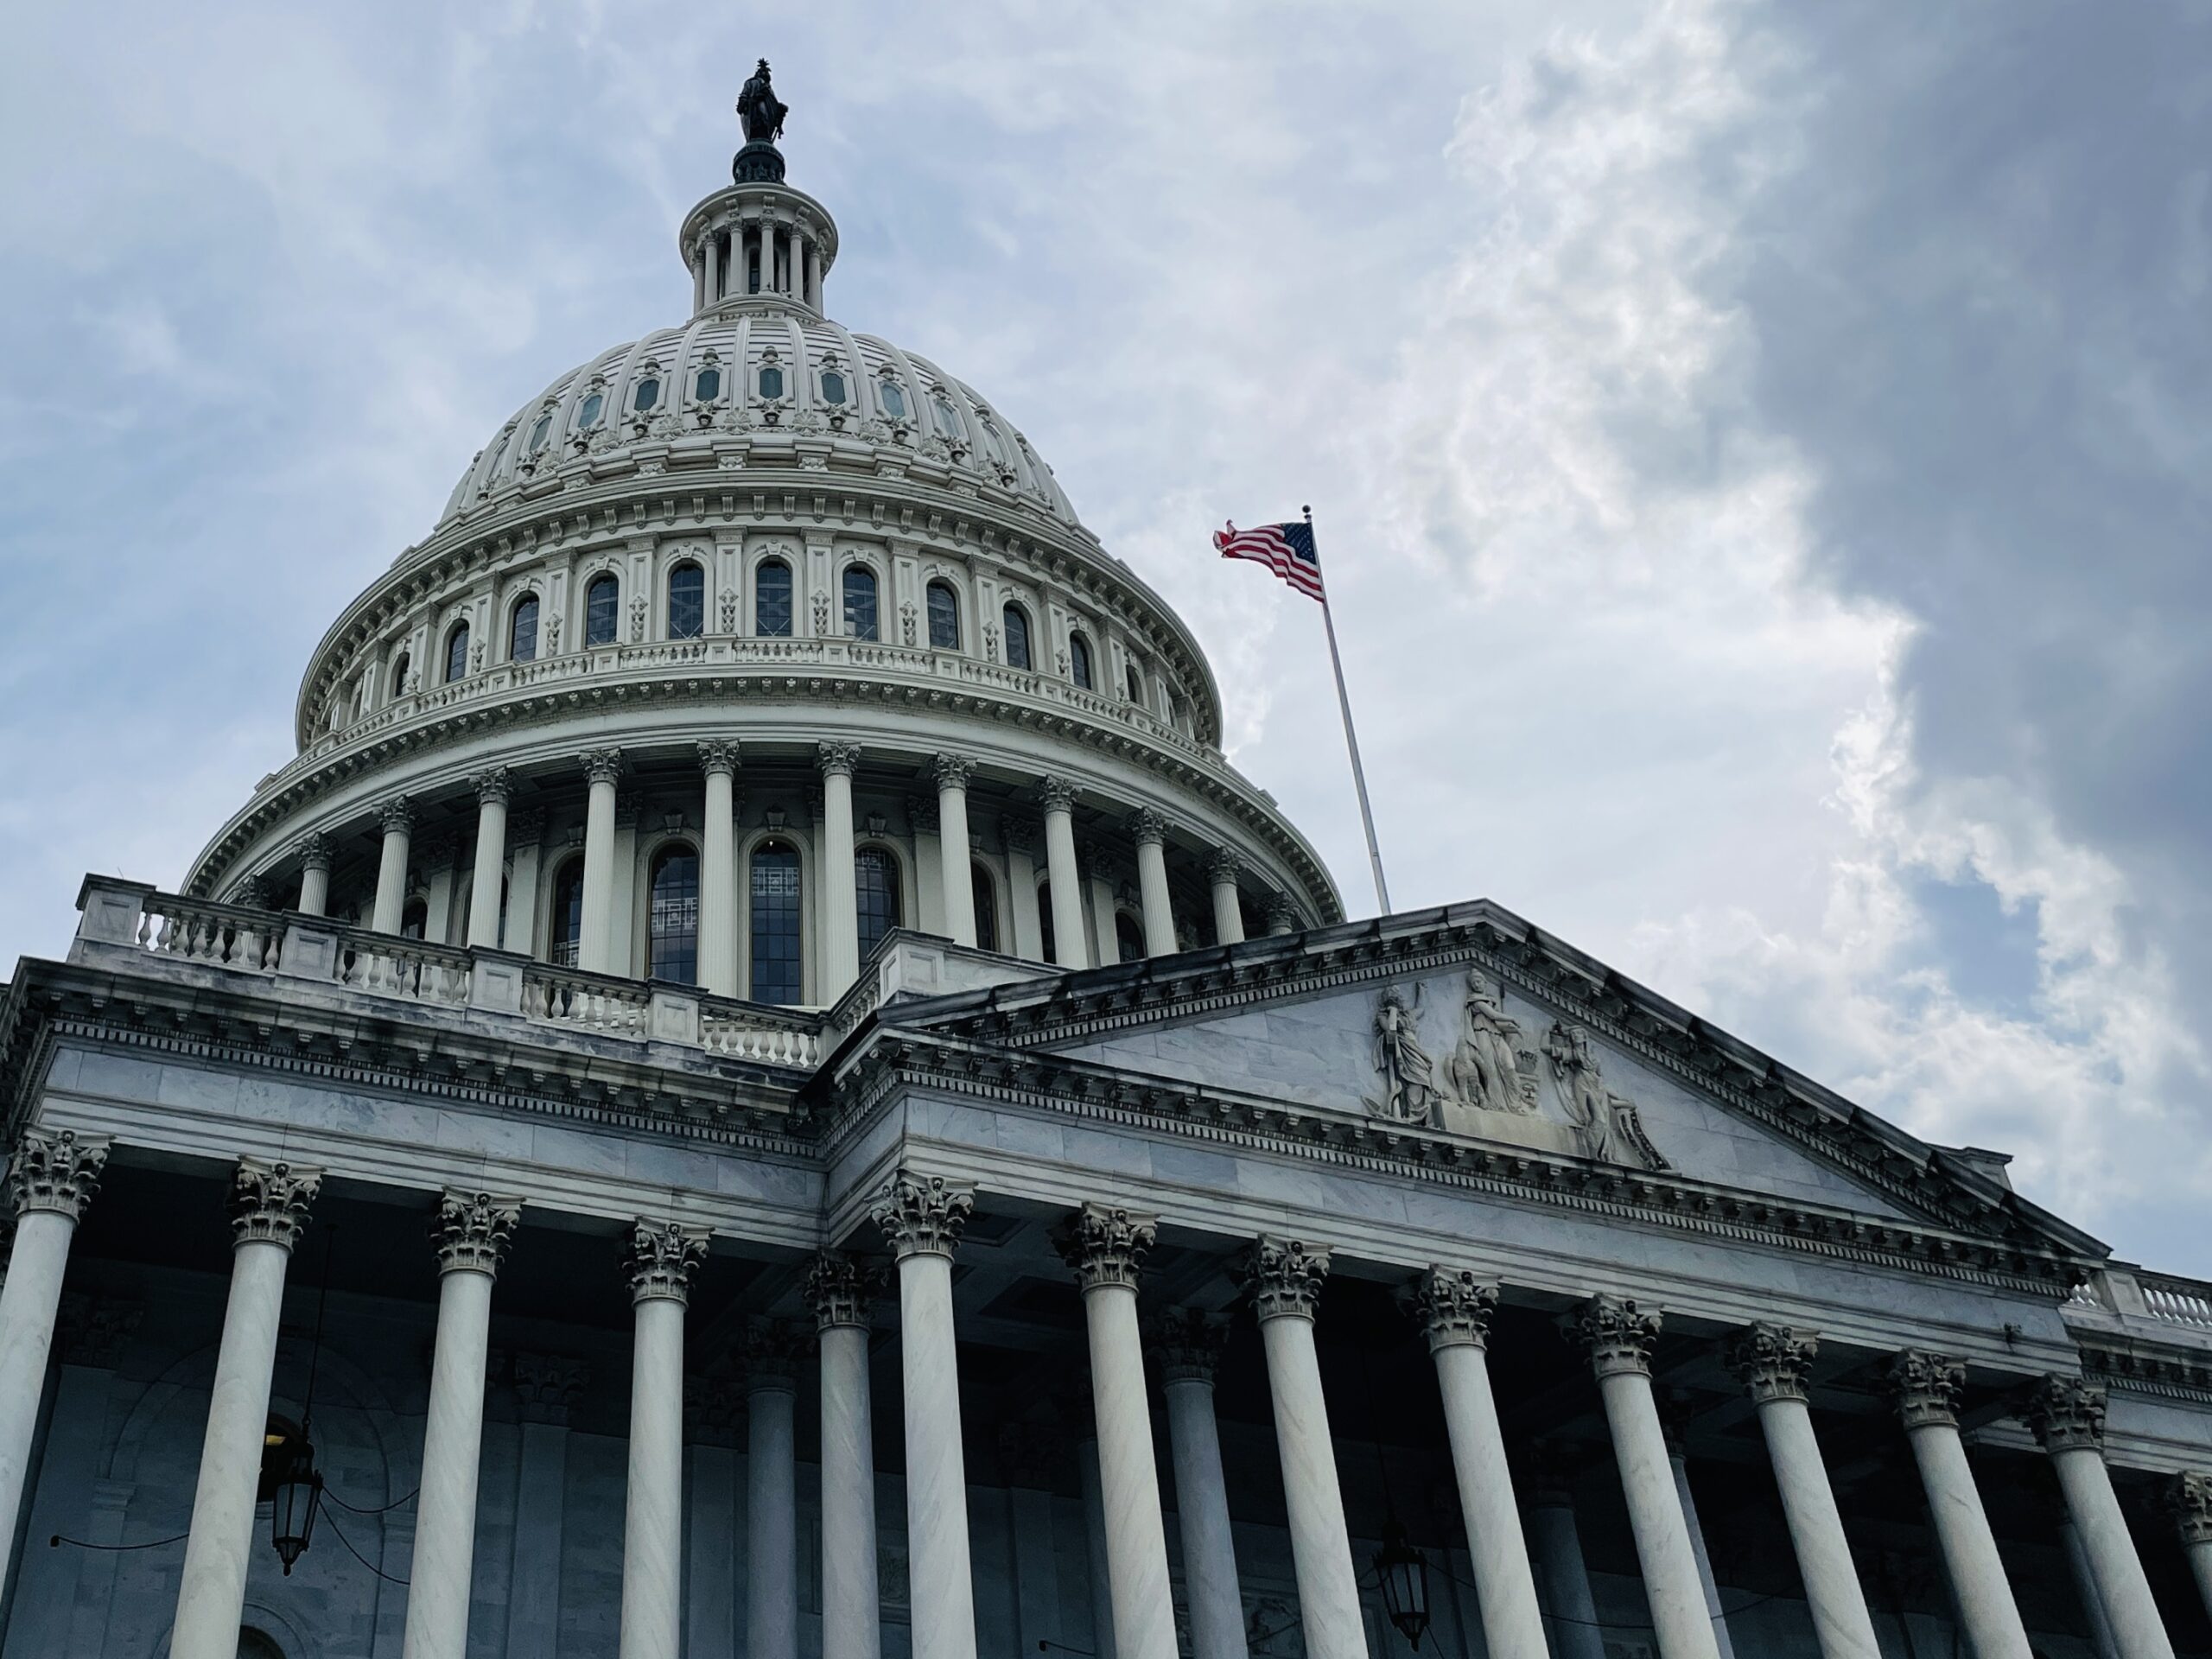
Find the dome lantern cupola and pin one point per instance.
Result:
(759, 241)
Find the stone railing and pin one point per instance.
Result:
(2182, 1301)
(131, 922)
(2158, 1304)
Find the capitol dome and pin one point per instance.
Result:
(746, 642)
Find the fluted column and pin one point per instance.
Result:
(1024, 922)
(1774, 1363)
(2068, 1416)
(595, 927)
(398, 817)
(492, 788)
(771, 1493)
(1454, 1307)
(51, 1178)
(1106, 1246)
(1228, 909)
(1558, 1540)
(1149, 831)
(1284, 1277)
(713, 268)
(840, 925)
(843, 1289)
(1926, 1387)
(953, 771)
(1189, 1345)
(1282, 916)
(268, 1211)
(921, 1218)
(718, 872)
(1619, 1337)
(471, 1233)
(660, 1259)
(314, 874)
(2189, 1497)
(1069, 948)
(1678, 1466)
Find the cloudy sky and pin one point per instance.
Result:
(1763, 454)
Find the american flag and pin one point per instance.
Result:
(1287, 550)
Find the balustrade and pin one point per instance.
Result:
(222, 936)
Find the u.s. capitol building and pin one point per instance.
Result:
(916, 1164)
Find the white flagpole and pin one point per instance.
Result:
(1352, 737)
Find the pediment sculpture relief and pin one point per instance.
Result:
(1605, 1124)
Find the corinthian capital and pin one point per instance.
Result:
(2189, 1500)
(493, 784)
(1106, 1245)
(470, 1230)
(2067, 1414)
(1057, 793)
(660, 1258)
(841, 1288)
(773, 1348)
(922, 1215)
(953, 771)
(269, 1201)
(313, 849)
(1223, 867)
(718, 756)
(1773, 1360)
(1148, 827)
(1454, 1307)
(397, 816)
(838, 760)
(1616, 1334)
(1189, 1342)
(1283, 1277)
(548, 1386)
(602, 765)
(56, 1171)
(1927, 1388)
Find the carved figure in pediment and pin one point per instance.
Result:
(1581, 1089)
(1409, 1090)
(1484, 1071)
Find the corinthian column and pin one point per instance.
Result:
(840, 923)
(1619, 1337)
(1774, 1362)
(921, 1218)
(771, 1493)
(595, 926)
(718, 872)
(314, 874)
(1189, 1342)
(385, 915)
(1222, 868)
(471, 1233)
(660, 1259)
(1149, 831)
(1454, 1308)
(1069, 948)
(1283, 1277)
(493, 789)
(1926, 1387)
(953, 771)
(2068, 1416)
(268, 1211)
(51, 1179)
(1106, 1246)
(2189, 1498)
(843, 1288)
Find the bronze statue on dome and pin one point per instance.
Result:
(759, 109)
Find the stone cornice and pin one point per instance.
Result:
(1087, 1006)
(2138, 1368)
(871, 1074)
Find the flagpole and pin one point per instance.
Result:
(1352, 737)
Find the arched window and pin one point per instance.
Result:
(414, 920)
(647, 396)
(1017, 637)
(602, 610)
(1132, 682)
(944, 616)
(775, 923)
(893, 399)
(947, 422)
(522, 630)
(1128, 937)
(687, 602)
(673, 920)
(987, 908)
(833, 387)
(457, 653)
(1044, 921)
(1079, 660)
(772, 599)
(566, 936)
(859, 602)
(594, 406)
(539, 433)
(772, 381)
(707, 385)
(399, 677)
(875, 885)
